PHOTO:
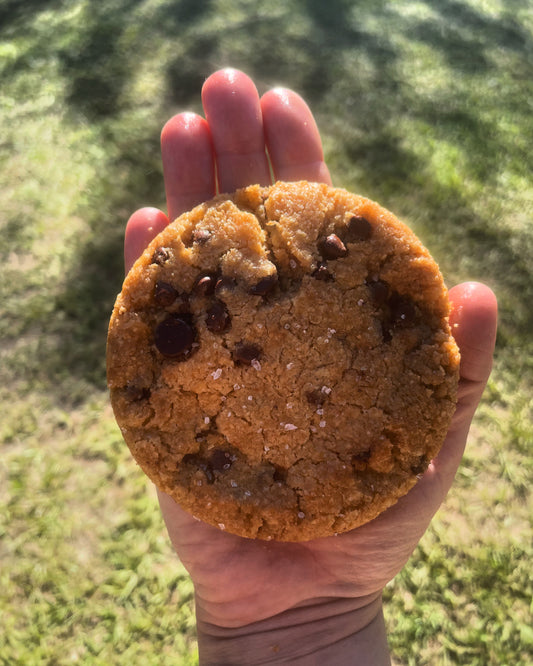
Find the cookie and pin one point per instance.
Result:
(280, 361)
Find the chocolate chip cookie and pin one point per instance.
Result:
(280, 361)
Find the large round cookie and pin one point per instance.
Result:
(280, 361)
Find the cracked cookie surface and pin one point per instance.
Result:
(280, 361)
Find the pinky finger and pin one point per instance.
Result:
(142, 227)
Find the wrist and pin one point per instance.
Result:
(324, 631)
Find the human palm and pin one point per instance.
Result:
(239, 581)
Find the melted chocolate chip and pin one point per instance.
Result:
(360, 460)
(164, 294)
(332, 247)
(379, 291)
(220, 460)
(402, 310)
(195, 460)
(160, 256)
(358, 229)
(316, 397)
(205, 285)
(264, 285)
(137, 393)
(386, 331)
(399, 312)
(174, 337)
(322, 273)
(217, 318)
(246, 352)
(280, 474)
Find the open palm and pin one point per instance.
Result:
(239, 581)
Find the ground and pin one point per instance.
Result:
(424, 106)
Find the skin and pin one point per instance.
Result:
(245, 589)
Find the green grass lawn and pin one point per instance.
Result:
(425, 106)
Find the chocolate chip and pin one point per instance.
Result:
(362, 456)
(316, 397)
(358, 229)
(322, 273)
(136, 393)
(217, 318)
(205, 285)
(224, 284)
(174, 337)
(195, 460)
(160, 256)
(379, 291)
(332, 247)
(280, 474)
(420, 467)
(220, 460)
(245, 353)
(402, 310)
(201, 236)
(164, 294)
(264, 285)
(360, 460)
(386, 331)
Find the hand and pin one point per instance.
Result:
(238, 581)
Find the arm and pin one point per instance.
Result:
(328, 631)
(318, 601)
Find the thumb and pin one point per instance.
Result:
(473, 320)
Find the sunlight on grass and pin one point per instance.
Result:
(95, 569)
(424, 106)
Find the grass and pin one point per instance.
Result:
(424, 106)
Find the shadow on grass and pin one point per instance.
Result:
(97, 73)
(336, 32)
(96, 67)
(478, 27)
(483, 249)
(367, 135)
(15, 11)
(464, 36)
(186, 73)
(100, 67)
(96, 275)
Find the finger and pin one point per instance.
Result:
(474, 321)
(233, 111)
(292, 138)
(188, 162)
(142, 227)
